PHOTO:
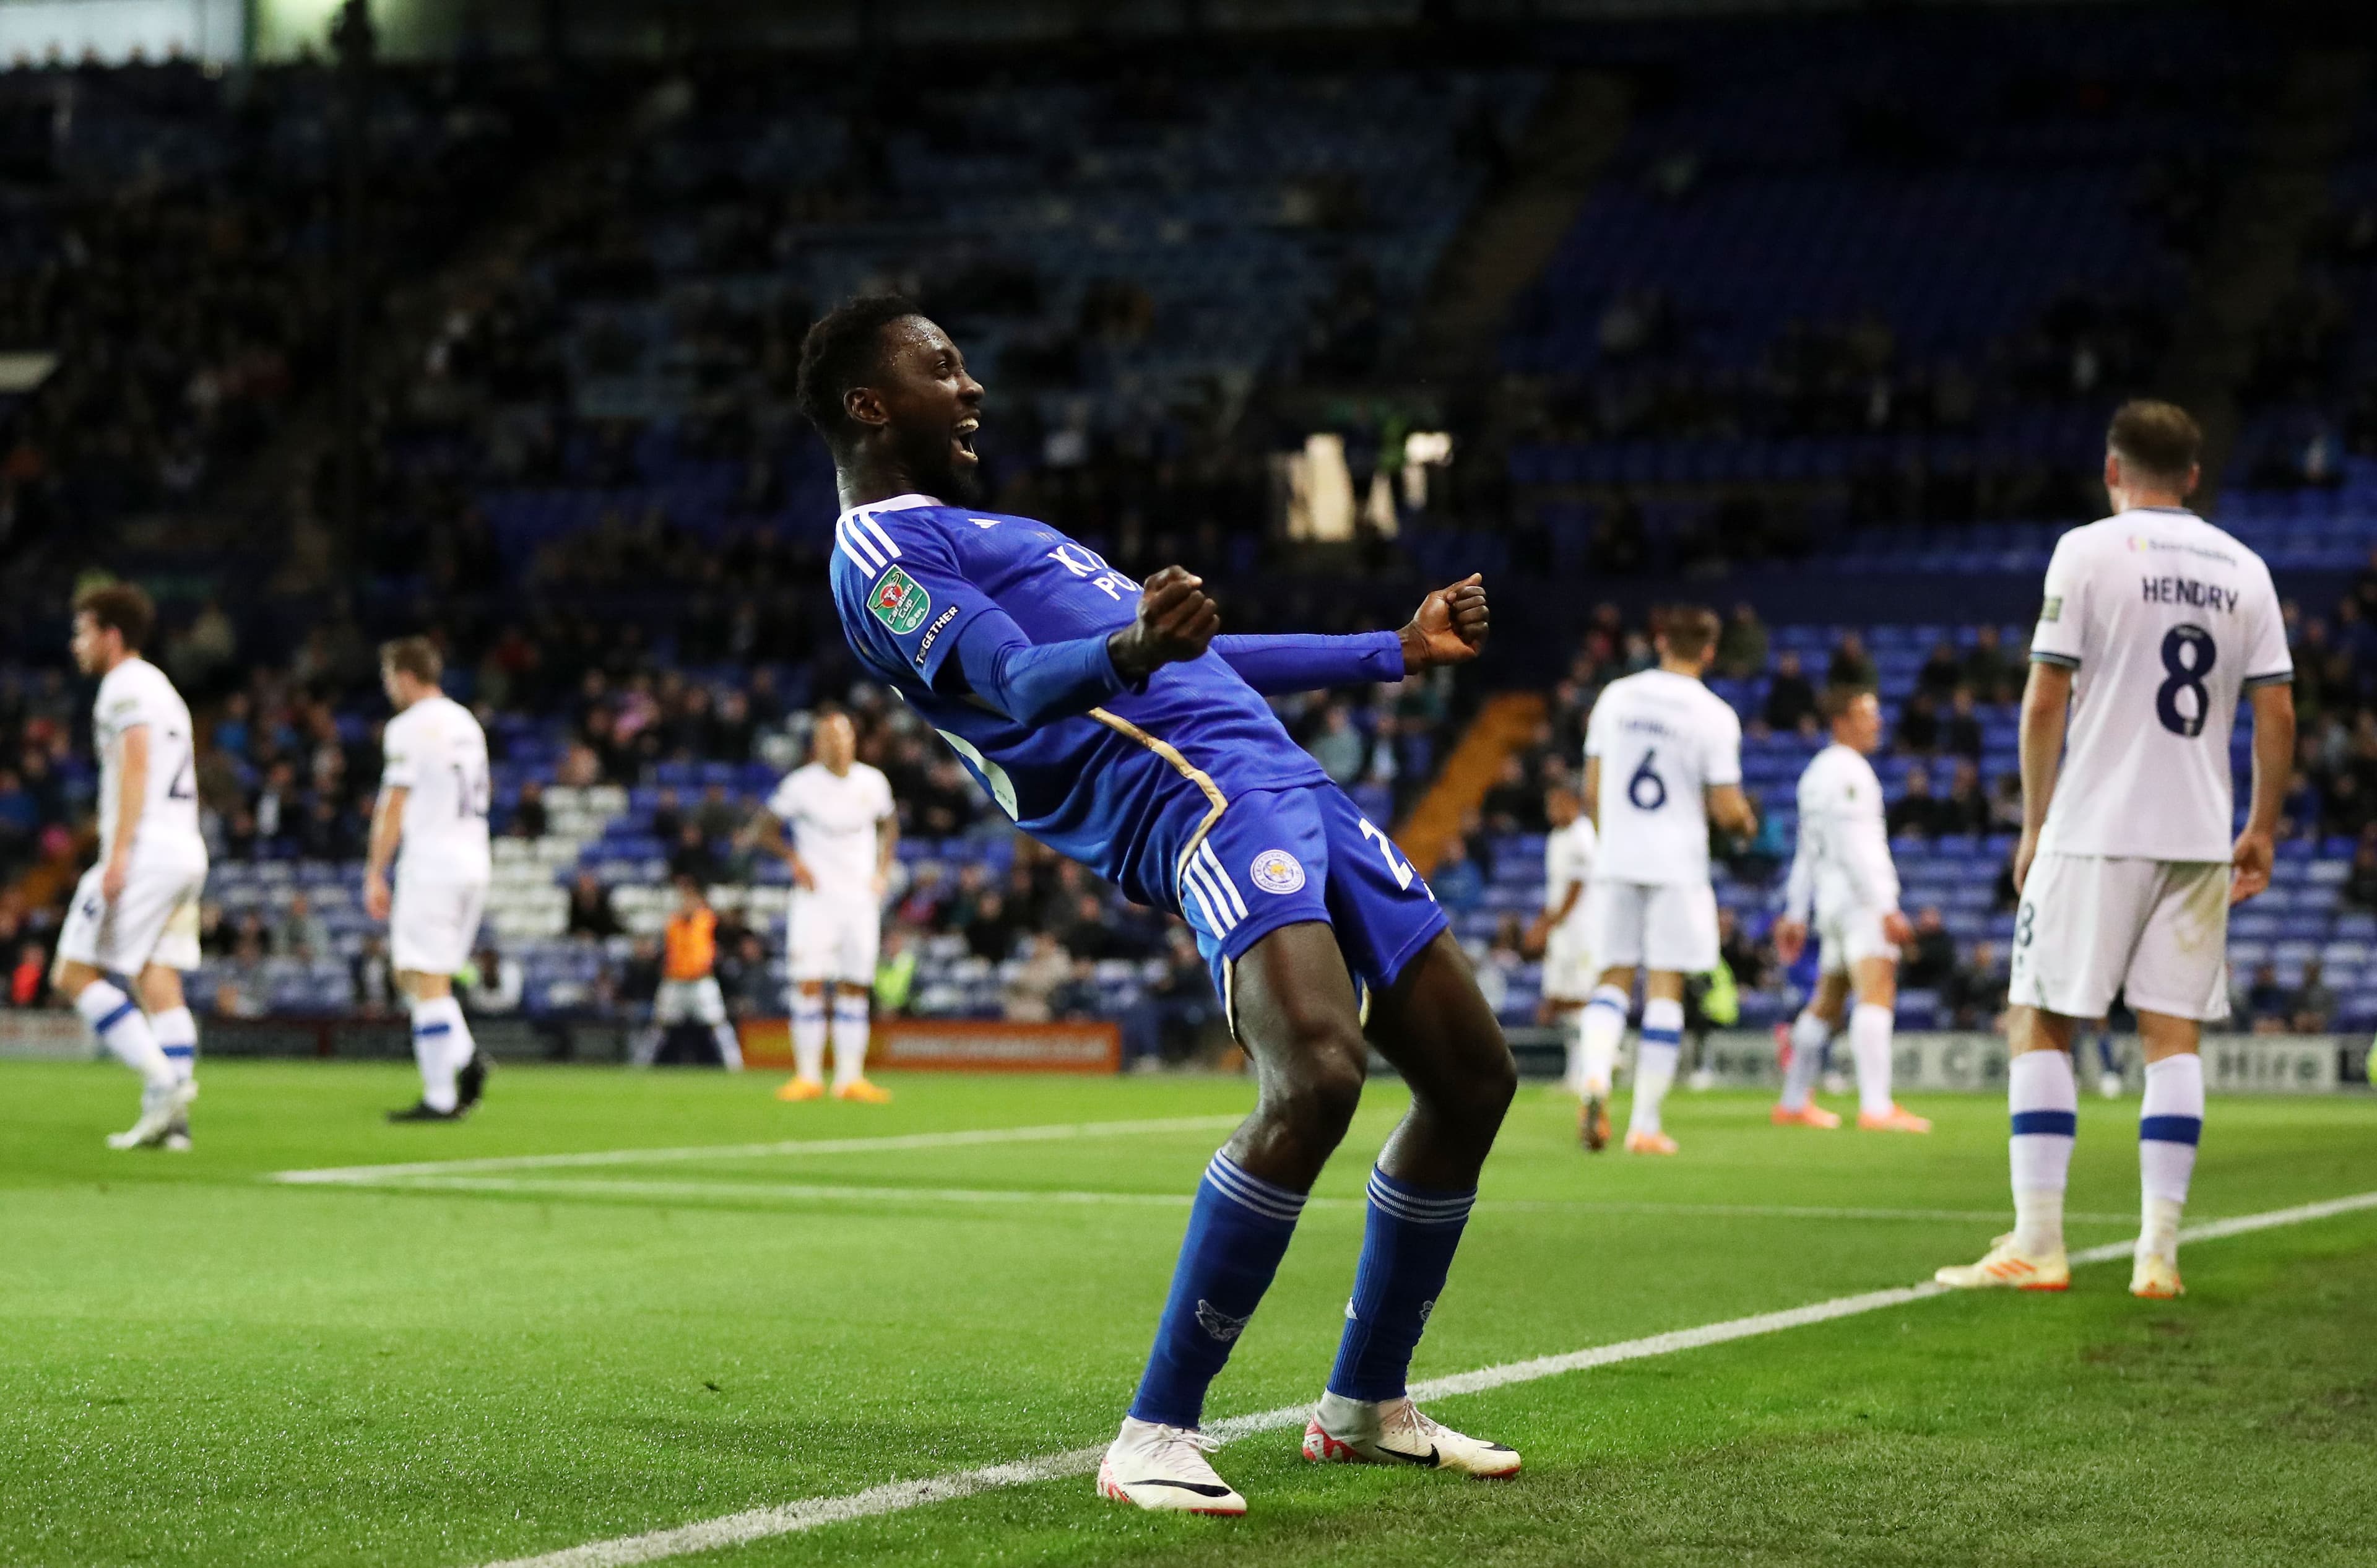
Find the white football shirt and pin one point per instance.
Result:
(1663, 740)
(1844, 855)
(1568, 862)
(437, 753)
(2166, 621)
(135, 695)
(836, 823)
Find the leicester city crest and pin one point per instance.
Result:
(1275, 870)
(1218, 1324)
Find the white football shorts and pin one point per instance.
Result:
(1663, 925)
(434, 923)
(689, 1001)
(833, 936)
(154, 920)
(1850, 935)
(2091, 927)
(1568, 970)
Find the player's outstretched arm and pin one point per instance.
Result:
(388, 827)
(2046, 709)
(132, 797)
(1449, 628)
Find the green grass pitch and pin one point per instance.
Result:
(198, 1365)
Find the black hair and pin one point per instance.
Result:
(843, 348)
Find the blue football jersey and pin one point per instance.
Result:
(1119, 788)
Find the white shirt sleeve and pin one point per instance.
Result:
(2268, 661)
(399, 753)
(785, 802)
(1596, 730)
(2063, 608)
(1799, 890)
(886, 807)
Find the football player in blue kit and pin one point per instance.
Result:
(1113, 723)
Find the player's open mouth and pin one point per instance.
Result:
(963, 434)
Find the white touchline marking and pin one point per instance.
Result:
(962, 1138)
(733, 1191)
(892, 1497)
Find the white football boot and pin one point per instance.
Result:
(1164, 1469)
(2005, 1266)
(1395, 1431)
(159, 1110)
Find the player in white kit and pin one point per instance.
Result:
(136, 913)
(2152, 625)
(1843, 881)
(1661, 761)
(1559, 933)
(433, 798)
(844, 829)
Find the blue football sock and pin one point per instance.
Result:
(1407, 1250)
(1237, 1232)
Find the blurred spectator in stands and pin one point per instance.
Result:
(28, 981)
(2005, 896)
(692, 856)
(1851, 664)
(1741, 648)
(590, 916)
(1077, 996)
(1515, 803)
(719, 816)
(374, 978)
(497, 985)
(1749, 957)
(640, 981)
(2005, 803)
(579, 767)
(205, 648)
(214, 930)
(2344, 806)
(1941, 673)
(241, 990)
(1919, 726)
(1964, 737)
(991, 929)
(1917, 813)
(2261, 1003)
(2313, 1008)
(743, 977)
(942, 805)
(1338, 746)
(1975, 993)
(1930, 958)
(529, 820)
(668, 820)
(1024, 993)
(1790, 697)
(2298, 809)
(1987, 670)
(1164, 1025)
(2360, 883)
(895, 971)
(1967, 810)
(300, 932)
(1455, 882)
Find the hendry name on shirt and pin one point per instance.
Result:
(2188, 591)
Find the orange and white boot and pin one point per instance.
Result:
(2156, 1277)
(1650, 1143)
(863, 1092)
(1809, 1115)
(794, 1089)
(2007, 1267)
(1897, 1119)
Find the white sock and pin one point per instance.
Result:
(1654, 1061)
(435, 1025)
(1598, 1031)
(1572, 1026)
(123, 1028)
(849, 1040)
(809, 1037)
(730, 1050)
(1870, 1027)
(178, 1037)
(2044, 1103)
(2168, 1125)
(1809, 1034)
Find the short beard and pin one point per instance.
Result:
(926, 460)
